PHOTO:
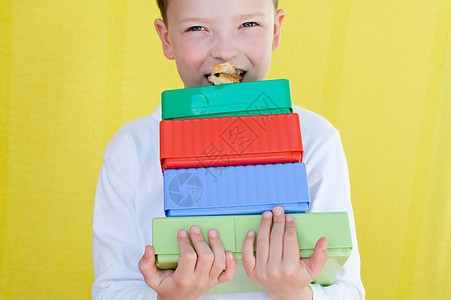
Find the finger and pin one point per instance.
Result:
(217, 248)
(277, 232)
(205, 256)
(230, 270)
(188, 256)
(319, 258)
(290, 241)
(263, 238)
(248, 253)
(147, 266)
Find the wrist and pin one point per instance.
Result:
(159, 297)
(308, 293)
(305, 294)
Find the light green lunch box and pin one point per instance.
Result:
(233, 229)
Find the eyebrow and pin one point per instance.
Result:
(254, 15)
(191, 20)
(203, 20)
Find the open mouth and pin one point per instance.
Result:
(239, 72)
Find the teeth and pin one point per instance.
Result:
(239, 72)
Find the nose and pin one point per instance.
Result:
(225, 48)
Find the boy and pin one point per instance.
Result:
(198, 34)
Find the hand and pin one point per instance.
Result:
(199, 269)
(277, 267)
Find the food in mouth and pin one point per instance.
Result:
(224, 73)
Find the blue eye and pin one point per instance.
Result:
(249, 24)
(196, 28)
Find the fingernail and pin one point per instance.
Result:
(196, 229)
(277, 210)
(213, 233)
(289, 218)
(250, 233)
(146, 252)
(267, 214)
(183, 233)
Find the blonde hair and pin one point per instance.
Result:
(163, 6)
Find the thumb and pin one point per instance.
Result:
(319, 258)
(148, 268)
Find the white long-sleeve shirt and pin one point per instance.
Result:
(130, 194)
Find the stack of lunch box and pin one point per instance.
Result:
(228, 153)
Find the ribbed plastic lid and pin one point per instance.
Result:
(251, 189)
(225, 141)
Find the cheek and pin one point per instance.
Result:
(259, 47)
(260, 58)
(187, 64)
(190, 52)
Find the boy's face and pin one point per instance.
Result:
(203, 33)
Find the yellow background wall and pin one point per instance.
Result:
(73, 72)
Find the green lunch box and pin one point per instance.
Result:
(233, 229)
(235, 99)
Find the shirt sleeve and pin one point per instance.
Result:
(330, 191)
(117, 246)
